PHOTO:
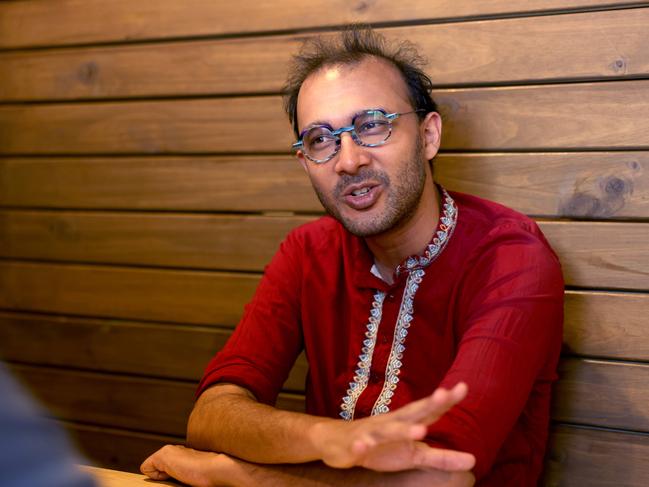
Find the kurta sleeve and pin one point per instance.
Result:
(261, 351)
(509, 310)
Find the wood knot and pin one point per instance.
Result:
(614, 186)
(603, 199)
(88, 72)
(63, 230)
(581, 205)
(619, 65)
(363, 5)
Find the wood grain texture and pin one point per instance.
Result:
(215, 183)
(102, 399)
(606, 324)
(191, 297)
(603, 393)
(601, 254)
(117, 448)
(593, 254)
(180, 296)
(147, 349)
(117, 478)
(580, 115)
(581, 457)
(597, 45)
(226, 242)
(137, 403)
(224, 125)
(599, 185)
(28, 23)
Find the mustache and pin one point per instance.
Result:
(365, 174)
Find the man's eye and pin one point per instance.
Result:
(372, 127)
(319, 140)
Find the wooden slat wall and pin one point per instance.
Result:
(138, 206)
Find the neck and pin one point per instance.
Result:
(392, 247)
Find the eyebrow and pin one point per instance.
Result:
(319, 123)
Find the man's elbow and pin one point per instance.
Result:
(194, 428)
(207, 415)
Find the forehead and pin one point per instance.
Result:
(335, 93)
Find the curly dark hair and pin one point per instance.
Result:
(353, 44)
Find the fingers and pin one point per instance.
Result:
(387, 432)
(407, 423)
(431, 408)
(154, 466)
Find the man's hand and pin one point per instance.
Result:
(192, 467)
(390, 442)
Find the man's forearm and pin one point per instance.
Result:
(319, 475)
(228, 419)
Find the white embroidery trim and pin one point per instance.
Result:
(359, 384)
(393, 367)
(415, 266)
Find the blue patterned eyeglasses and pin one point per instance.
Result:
(371, 128)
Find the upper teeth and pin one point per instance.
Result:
(358, 192)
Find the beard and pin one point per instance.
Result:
(403, 196)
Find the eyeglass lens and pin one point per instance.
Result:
(370, 128)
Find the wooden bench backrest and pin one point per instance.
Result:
(145, 180)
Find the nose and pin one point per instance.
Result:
(351, 156)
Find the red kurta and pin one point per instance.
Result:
(488, 311)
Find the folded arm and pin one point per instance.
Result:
(205, 469)
(228, 419)
(379, 450)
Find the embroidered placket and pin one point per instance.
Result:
(415, 267)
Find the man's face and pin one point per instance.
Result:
(370, 190)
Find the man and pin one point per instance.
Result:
(404, 289)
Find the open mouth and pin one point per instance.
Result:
(362, 197)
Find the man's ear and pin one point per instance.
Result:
(432, 132)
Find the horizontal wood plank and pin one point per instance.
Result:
(141, 404)
(598, 185)
(574, 46)
(244, 243)
(596, 458)
(601, 254)
(191, 297)
(29, 22)
(593, 254)
(594, 185)
(218, 183)
(603, 393)
(605, 325)
(116, 448)
(102, 399)
(588, 115)
(224, 125)
(151, 349)
(580, 115)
